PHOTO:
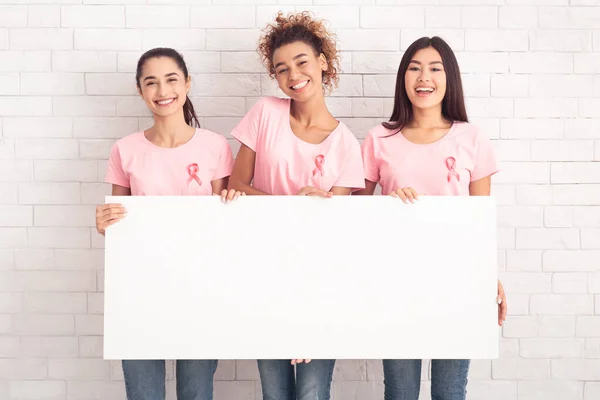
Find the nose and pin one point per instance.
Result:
(162, 90)
(424, 76)
(294, 73)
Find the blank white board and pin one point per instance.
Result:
(281, 277)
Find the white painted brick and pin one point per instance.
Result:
(586, 216)
(550, 390)
(588, 326)
(246, 370)
(266, 14)
(24, 61)
(84, 61)
(65, 216)
(16, 216)
(486, 62)
(524, 260)
(392, 17)
(592, 389)
(24, 368)
(592, 348)
(11, 303)
(368, 40)
(367, 107)
(492, 40)
(9, 346)
(8, 193)
(596, 41)
(25, 106)
(587, 63)
(7, 259)
(455, 38)
(555, 85)
(597, 151)
(7, 149)
(104, 128)
(505, 85)
(471, 2)
(89, 324)
(576, 194)
(575, 172)
(545, 107)
(569, 17)
(84, 106)
(489, 107)
(562, 150)
(95, 16)
(15, 170)
(95, 303)
(509, 348)
(590, 238)
(94, 193)
(59, 237)
(518, 17)
(589, 108)
(37, 390)
(48, 280)
(335, 17)
(231, 84)
(44, 16)
(4, 40)
(350, 370)
(520, 369)
(58, 303)
(37, 127)
(552, 348)
(95, 390)
(41, 39)
(219, 106)
(520, 216)
(64, 368)
(576, 369)
(341, 106)
(13, 16)
(110, 84)
(91, 346)
(132, 106)
(547, 238)
(44, 324)
(379, 85)
(538, 2)
(506, 238)
(241, 62)
(223, 17)
(49, 346)
(46, 149)
(519, 304)
(108, 39)
(559, 304)
(556, 326)
(493, 390)
(375, 62)
(96, 149)
(223, 126)
(569, 283)
(523, 172)
(541, 62)
(9, 84)
(232, 39)
(531, 128)
(582, 128)
(573, 260)
(66, 171)
(550, 40)
(521, 327)
(13, 237)
(504, 194)
(479, 17)
(78, 259)
(442, 17)
(558, 217)
(150, 16)
(518, 282)
(512, 150)
(49, 193)
(32, 259)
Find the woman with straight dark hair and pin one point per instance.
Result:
(428, 147)
(175, 157)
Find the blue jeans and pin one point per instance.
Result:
(312, 380)
(402, 379)
(145, 379)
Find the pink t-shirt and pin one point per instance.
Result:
(284, 163)
(150, 170)
(443, 168)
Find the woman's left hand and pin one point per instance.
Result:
(227, 196)
(502, 306)
(300, 360)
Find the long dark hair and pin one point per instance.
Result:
(453, 104)
(188, 108)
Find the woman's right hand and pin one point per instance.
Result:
(313, 191)
(108, 214)
(405, 194)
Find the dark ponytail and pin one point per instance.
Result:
(188, 108)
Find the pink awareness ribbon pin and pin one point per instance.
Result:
(451, 165)
(193, 172)
(319, 165)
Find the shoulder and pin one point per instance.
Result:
(130, 143)
(271, 104)
(379, 132)
(468, 133)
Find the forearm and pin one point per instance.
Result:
(246, 188)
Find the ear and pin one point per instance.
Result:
(323, 61)
(188, 84)
(139, 90)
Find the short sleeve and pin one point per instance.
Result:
(368, 158)
(114, 171)
(246, 131)
(352, 174)
(225, 165)
(485, 163)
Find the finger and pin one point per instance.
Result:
(223, 195)
(308, 190)
(504, 307)
(230, 195)
(394, 194)
(408, 195)
(299, 360)
(402, 196)
(308, 360)
(414, 193)
(112, 210)
(293, 362)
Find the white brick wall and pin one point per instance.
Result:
(530, 70)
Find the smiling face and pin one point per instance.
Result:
(299, 72)
(425, 79)
(163, 86)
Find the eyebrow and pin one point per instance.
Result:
(298, 56)
(433, 62)
(166, 76)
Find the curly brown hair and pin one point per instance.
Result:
(304, 28)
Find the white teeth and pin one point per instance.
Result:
(165, 102)
(300, 85)
(424, 89)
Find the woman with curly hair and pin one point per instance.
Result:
(294, 146)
